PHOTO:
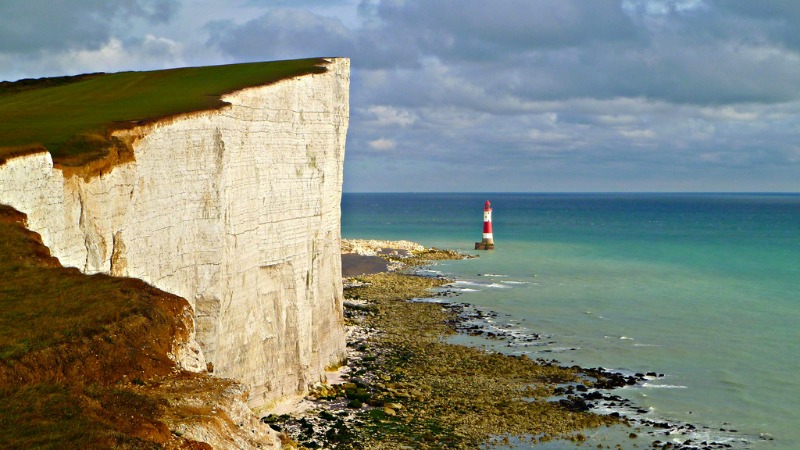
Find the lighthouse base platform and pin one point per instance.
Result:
(484, 246)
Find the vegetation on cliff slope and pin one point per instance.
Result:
(82, 357)
(73, 117)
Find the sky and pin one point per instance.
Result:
(486, 95)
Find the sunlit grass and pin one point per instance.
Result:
(42, 304)
(74, 348)
(73, 117)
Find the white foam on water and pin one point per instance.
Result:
(497, 285)
(515, 282)
(467, 283)
(493, 275)
(662, 386)
(429, 271)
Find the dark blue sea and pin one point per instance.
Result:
(704, 288)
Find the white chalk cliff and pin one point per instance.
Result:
(236, 210)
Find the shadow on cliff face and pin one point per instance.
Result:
(82, 358)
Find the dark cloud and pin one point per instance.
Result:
(715, 53)
(297, 3)
(548, 50)
(42, 25)
(281, 34)
(475, 29)
(776, 21)
(777, 10)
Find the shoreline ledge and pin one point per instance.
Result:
(404, 386)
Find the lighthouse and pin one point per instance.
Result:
(488, 240)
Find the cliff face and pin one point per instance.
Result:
(236, 210)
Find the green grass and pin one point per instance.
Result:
(58, 417)
(42, 305)
(72, 117)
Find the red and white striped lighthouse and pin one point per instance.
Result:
(488, 239)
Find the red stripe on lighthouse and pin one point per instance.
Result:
(487, 221)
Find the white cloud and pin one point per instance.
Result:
(638, 134)
(549, 137)
(382, 144)
(385, 116)
(730, 113)
(148, 54)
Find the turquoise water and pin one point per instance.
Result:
(703, 288)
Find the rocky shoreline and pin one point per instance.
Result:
(404, 386)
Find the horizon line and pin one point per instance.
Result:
(584, 192)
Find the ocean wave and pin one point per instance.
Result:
(497, 285)
(429, 271)
(467, 283)
(663, 386)
(515, 282)
(492, 275)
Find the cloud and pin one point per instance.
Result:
(297, 3)
(282, 34)
(503, 55)
(483, 30)
(382, 144)
(563, 95)
(693, 53)
(43, 25)
(148, 53)
(388, 116)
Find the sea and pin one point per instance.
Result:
(703, 289)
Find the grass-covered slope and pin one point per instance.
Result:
(72, 117)
(68, 343)
(84, 359)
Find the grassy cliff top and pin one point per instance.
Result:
(73, 117)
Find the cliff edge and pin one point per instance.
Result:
(234, 209)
